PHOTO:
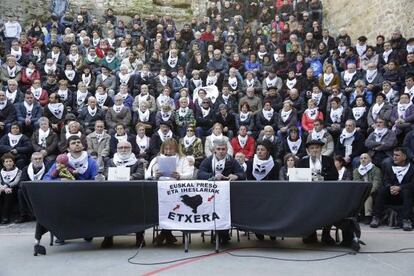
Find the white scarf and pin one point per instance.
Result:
(402, 109)
(379, 134)
(218, 165)
(9, 176)
(361, 49)
(163, 80)
(55, 57)
(249, 83)
(386, 55)
(363, 170)
(225, 98)
(143, 116)
(70, 74)
(347, 138)
(268, 114)
(118, 108)
(205, 112)
(294, 146)
(121, 138)
(50, 69)
(271, 82)
(29, 71)
(183, 111)
(93, 111)
(291, 83)
(182, 80)
(109, 59)
(188, 141)
(312, 113)
(38, 55)
(123, 79)
(37, 92)
(390, 95)
(371, 75)
(80, 164)
(56, 109)
(95, 41)
(101, 98)
(318, 135)
(341, 173)
(163, 136)
(86, 79)
(244, 116)
(80, 97)
(317, 97)
(3, 104)
(409, 91)
(68, 134)
(143, 143)
(124, 161)
(197, 83)
(63, 94)
(42, 137)
(400, 171)
(233, 82)
(261, 168)
(348, 77)
(261, 54)
(172, 62)
(11, 71)
(73, 58)
(211, 80)
(215, 137)
(16, 53)
(336, 114)
(327, 78)
(29, 109)
(376, 108)
(11, 96)
(165, 116)
(35, 176)
(284, 115)
(99, 136)
(14, 139)
(358, 112)
(90, 58)
(242, 140)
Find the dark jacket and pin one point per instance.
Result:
(390, 178)
(231, 167)
(329, 171)
(272, 175)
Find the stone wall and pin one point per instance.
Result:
(369, 17)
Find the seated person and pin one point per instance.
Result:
(190, 145)
(10, 178)
(380, 143)
(243, 143)
(217, 134)
(45, 141)
(17, 144)
(99, 142)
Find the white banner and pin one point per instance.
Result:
(194, 205)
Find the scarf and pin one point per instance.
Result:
(261, 168)
(143, 116)
(73, 58)
(35, 176)
(118, 108)
(29, 71)
(101, 98)
(336, 114)
(95, 41)
(215, 137)
(121, 138)
(11, 71)
(90, 58)
(205, 112)
(16, 53)
(50, 69)
(211, 80)
(99, 136)
(294, 146)
(172, 61)
(244, 116)
(109, 59)
(363, 170)
(358, 112)
(197, 83)
(409, 91)
(11, 96)
(29, 109)
(379, 134)
(124, 160)
(143, 143)
(371, 75)
(312, 113)
(268, 114)
(183, 80)
(290, 83)
(163, 80)
(183, 111)
(317, 97)
(14, 139)
(402, 109)
(70, 74)
(63, 94)
(37, 92)
(81, 97)
(400, 171)
(188, 141)
(318, 135)
(233, 82)
(348, 77)
(327, 78)
(361, 49)
(163, 136)
(376, 108)
(165, 116)
(38, 55)
(86, 79)
(3, 104)
(56, 109)
(218, 165)
(42, 137)
(249, 83)
(271, 82)
(242, 140)
(123, 79)
(80, 164)
(68, 134)
(386, 55)
(9, 176)
(284, 115)
(347, 138)
(92, 111)
(55, 57)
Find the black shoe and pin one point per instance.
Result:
(140, 241)
(160, 238)
(272, 238)
(313, 238)
(108, 242)
(22, 219)
(59, 241)
(39, 249)
(224, 238)
(327, 239)
(170, 239)
(374, 222)
(260, 237)
(88, 239)
(5, 221)
(407, 225)
(367, 220)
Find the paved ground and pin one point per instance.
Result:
(82, 258)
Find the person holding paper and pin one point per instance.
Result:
(124, 158)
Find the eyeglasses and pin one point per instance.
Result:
(123, 147)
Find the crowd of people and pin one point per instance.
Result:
(247, 92)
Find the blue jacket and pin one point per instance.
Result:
(21, 113)
(90, 173)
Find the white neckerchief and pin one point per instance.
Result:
(250, 83)
(316, 167)
(197, 83)
(327, 78)
(284, 115)
(38, 55)
(99, 136)
(386, 55)
(14, 139)
(172, 62)
(205, 112)
(182, 79)
(348, 77)
(402, 109)
(55, 57)
(211, 80)
(261, 168)
(9, 176)
(73, 58)
(95, 41)
(121, 138)
(37, 92)
(271, 82)
(3, 104)
(124, 161)
(101, 98)
(376, 108)
(346, 138)
(358, 112)
(93, 111)
(294, 146)
(312, 113)
(81, 97)
(143, 116)
(163, 80)
(218, 165)
(63, 94)
(163, 136)
(341, 173)
(80, 164)
(336, 114)
(225, 98)
(318, 135)
(290, 83)
(104, 77)
(11, 71)
(118, 108)
(68, 134)
(183, 111)
(233, 82)
(261, 54)
(244, 116)
(16, 53)
(363, 170)
(109, 59)
(70, 74)
(42, 137)
(124, 78)
(215, 137)
(400, 171)
(409, 91)
(317, 97)
(29, 71)
(268, 114)
(269, 138)
(188, 141)
(86, 79)
(242, 140)
(165, 116)
(142, 97)
(143, 143)
(390, 95)
(29, 108)
(361, 49)
(380, 133)
(11, 96)
(50, 69)
(56, 109)
(90, 58)
(371, 75)
(35, 176)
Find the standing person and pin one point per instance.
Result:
(397, 188)
(10, 178)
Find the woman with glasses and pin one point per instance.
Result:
(191, 145)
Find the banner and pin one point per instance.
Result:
(194, 205)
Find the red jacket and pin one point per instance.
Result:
(248, 150)
(27, 80)
(307, 122)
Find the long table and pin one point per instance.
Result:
(79, 209)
